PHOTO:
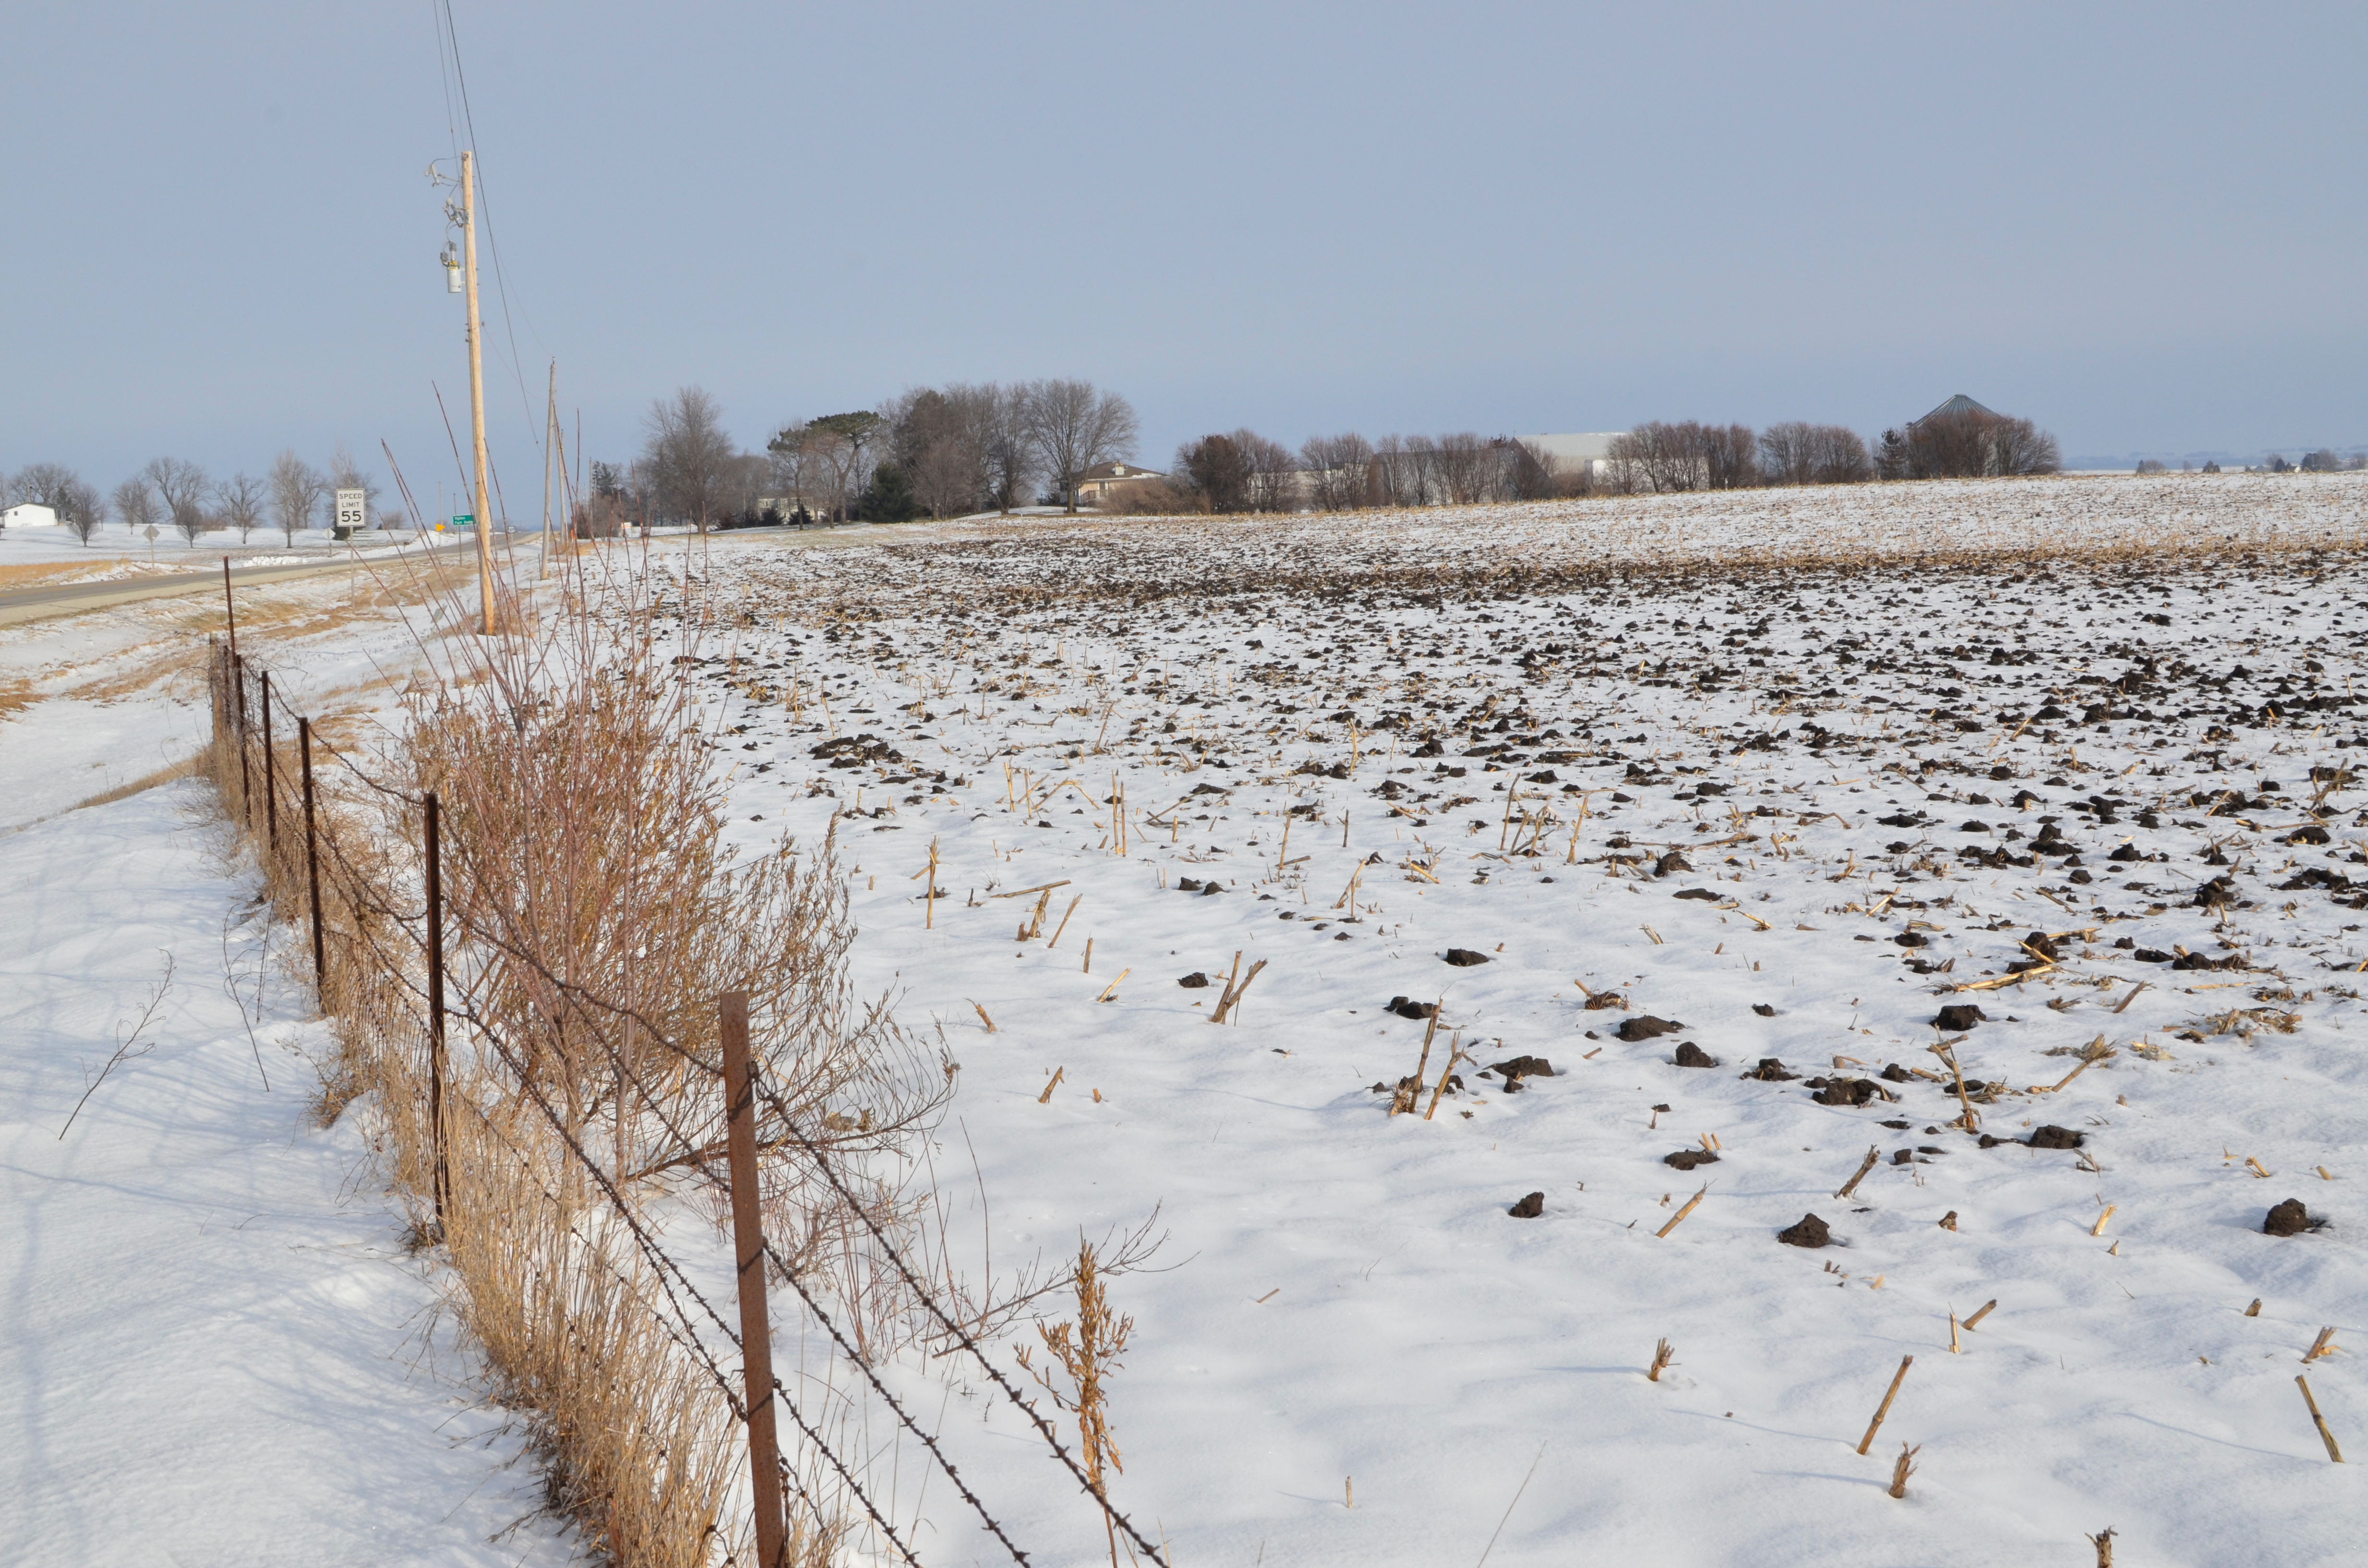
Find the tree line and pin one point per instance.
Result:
(176, 495)
(1242, 470)
(933, 451)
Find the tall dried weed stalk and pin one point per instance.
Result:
(1086, 1352)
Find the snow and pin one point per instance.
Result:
(218, 1349)
(1342, 1295)
(1347, 1296)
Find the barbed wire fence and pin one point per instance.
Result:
(564, 1277)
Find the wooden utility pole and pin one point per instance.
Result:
(477, 394)
(550, 455)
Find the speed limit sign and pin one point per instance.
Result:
(353, 509)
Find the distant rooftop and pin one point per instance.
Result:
(1960, 403)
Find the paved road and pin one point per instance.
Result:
(72, 598)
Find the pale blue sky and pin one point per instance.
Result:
(2141, 225)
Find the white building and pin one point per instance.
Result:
(28, 516)
(1105, 482)
(1589, 451)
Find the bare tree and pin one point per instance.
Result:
(1460, 462)
(936, 443)
(689, 456)
(2019, 447)
(1652, 457)
(62, 490)
(296, 489)
(1072, 426)
(1273, 483)
(39, 484)
(1798, 453)
(135, 503)
(995, 419)
(1968, 443)
(1730, 457)
(85, 510)
(823, 465)
(1217, 471)
(1688, 455)
(815, 466)
(241, 499)
(1397, 474)
(1338, 471)
(344, 473)
(182, 487)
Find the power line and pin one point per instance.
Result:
(447, 47)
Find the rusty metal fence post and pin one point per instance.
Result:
(271, 775)
(748, 1246)
(313, 865)
(238, 731)
(435, 1001)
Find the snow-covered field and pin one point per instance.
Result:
(1793, 813)
(1783, 769)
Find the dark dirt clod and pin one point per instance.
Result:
(1689, 1054)
(1811, 1232)
(1703, 894)
(2056, 1138)
(1895, 1074)
(1528, 1208)
(1405, 1009)
(1464, 958)
(1763, 1009)
(1772, 1071)
(1672, 861)
(1959, 1016)
(1195, 981)
(2289, 1219)
(1687, 1159)
(1842, 1091)
(1520, 1067)
(1644, 1026)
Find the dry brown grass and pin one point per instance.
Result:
(593, 916)
(43, 574)
(188, 767)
